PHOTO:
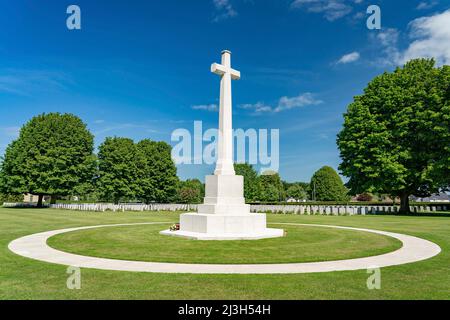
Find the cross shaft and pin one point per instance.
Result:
(224, 165)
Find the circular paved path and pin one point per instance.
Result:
(35, 247)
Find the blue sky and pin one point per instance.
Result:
(141, 69)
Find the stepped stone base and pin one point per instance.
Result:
(224, 227)
(224, 214)
(243, 226)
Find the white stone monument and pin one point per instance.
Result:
(224, 214)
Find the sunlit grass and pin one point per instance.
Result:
(22, 278)
(301, 244)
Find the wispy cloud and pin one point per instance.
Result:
(430, 39)
(12, 132)
(124, 126)
(206, 107)
(302, 100)
(223, 10)
(331, 9)
(348, 58)
(284, 103)
(27, 82)
(325, 122)
(386, 42)
(258, 107)
(425, 5)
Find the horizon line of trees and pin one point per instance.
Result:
(325, 185)
(395, 141)
(54, 156)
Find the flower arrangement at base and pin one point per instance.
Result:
(175, 227)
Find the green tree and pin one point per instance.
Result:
(271, 187)
(120, 170)
(303, 185)
(270, 193)
(190, 191)
(396, 136)
(52, 156)
(158, 180)
(251, 182)
(328, 186)
(296, 191)
(10, 198)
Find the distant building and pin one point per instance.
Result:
(32, 198)
(292, 200)
(441, 197)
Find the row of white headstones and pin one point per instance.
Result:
(287, 209)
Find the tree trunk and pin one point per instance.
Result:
(404, 204)
(40, 199)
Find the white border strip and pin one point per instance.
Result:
(35, 247)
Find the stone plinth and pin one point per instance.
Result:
(224, 227)
(224, 215)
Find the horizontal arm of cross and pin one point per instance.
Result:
(235, 75)
(221, 70)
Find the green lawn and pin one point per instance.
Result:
(22, 278)
(302, 244)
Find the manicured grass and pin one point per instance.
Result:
(22, 278)
(302, 244)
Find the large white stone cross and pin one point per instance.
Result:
(224, 165)
(224, 215)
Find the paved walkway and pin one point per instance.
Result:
(35, 247)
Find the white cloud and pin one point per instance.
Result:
(224, 10)
(432, 36)
(331, 9)
(425, 5)
(348, 58)
(430, 39)
(206, 107)
(387, 40)
(302, 100)
(284, 103)
(258, 107)
(359, 16)
(388, 37)
(28, 82)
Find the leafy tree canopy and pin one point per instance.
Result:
(190, 191)
(296, 191)
(271, 187)
(251, 182)
(396, 136)
(158, 179)
(52, 156)
(120, 168)
(328, 185)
